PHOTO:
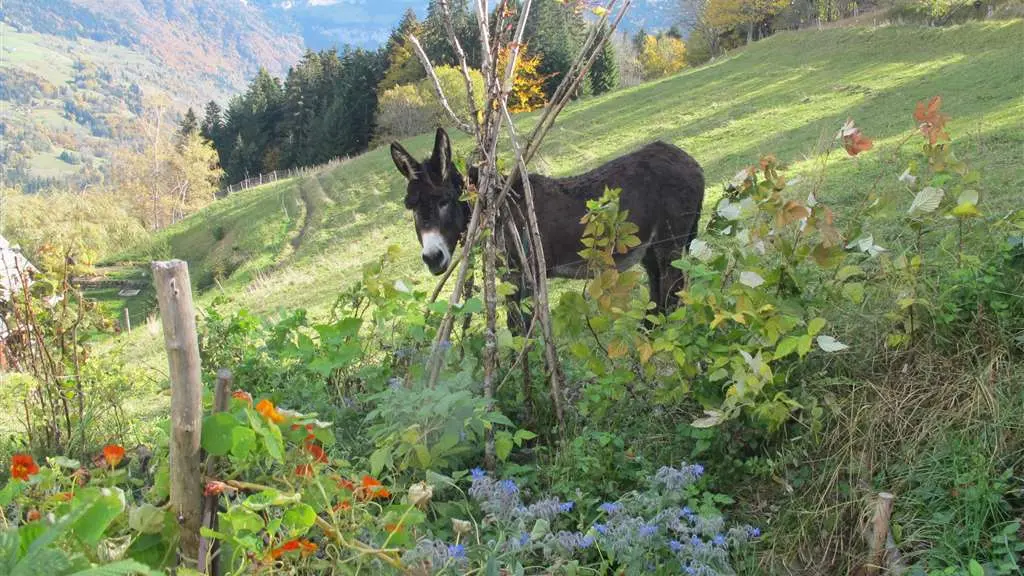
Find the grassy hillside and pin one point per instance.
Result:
(784, 95)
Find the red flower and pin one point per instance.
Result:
(23, 466)
(371, 489)
(344, 505)
(304, 470)
(33, 515)
(316, 452)
(309, 431)
(113, 454)
(346, 484)
(266, 409)
(243, 396)
(304, 546)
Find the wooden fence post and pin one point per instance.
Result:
(174, 295)
(127, 321)
(879, 533)
(208, 558)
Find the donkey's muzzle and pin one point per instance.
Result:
(436, 261)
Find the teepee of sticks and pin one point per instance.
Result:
(489, 216)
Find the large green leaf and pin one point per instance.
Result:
(299, 519)
(216, 437)
(109, 503)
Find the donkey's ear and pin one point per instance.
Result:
(442, 156)
(405, 163)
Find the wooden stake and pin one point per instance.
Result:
(208, 563)
(174, 295)
(127, 321)
(880, 531)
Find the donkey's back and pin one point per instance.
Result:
(661, 186)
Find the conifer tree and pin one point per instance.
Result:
(604, 74)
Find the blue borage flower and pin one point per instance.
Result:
(457, 551)
(509, 486)
(642, 528)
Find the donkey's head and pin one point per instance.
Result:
(433, 193)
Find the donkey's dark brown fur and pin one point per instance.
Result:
(662, 188)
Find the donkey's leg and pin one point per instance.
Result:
(653, 267)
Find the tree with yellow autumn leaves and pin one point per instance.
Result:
(736, 13)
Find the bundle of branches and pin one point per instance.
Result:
(490, 213)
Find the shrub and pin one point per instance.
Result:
(401, 113)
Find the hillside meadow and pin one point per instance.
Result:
(297, 243)
(892, 364)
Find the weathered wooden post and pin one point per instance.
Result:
(208, 559)
(879, 533)
(127, 322)
(174, 295)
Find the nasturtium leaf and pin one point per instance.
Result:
(106, 505)
(216, 437)
(243, 441)
(244, 520)
(146, 519)
(299, 519)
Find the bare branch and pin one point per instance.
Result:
(450, 28)
(540, 274)
(459, 123)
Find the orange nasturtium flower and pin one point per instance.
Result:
(23, 466)
(304, 470)
(371, 489)
(267, 409)
(113, 454)
(297, 545)
(316, 452)
(33, 515)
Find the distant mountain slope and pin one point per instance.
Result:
(367, 23)
(75, 74)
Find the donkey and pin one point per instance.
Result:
(662, 188)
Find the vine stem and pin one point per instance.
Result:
(382, 553)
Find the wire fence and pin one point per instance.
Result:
(276, 175)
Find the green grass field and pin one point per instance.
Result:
(297, 243)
